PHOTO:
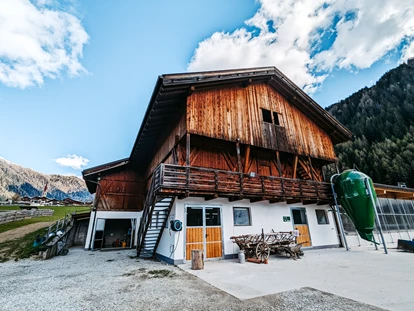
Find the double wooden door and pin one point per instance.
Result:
(203, 231)
(300, 222)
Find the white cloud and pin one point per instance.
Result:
(308, 39)
(74, 161)
(38, 41)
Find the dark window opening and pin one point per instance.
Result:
(276, 118)
(322, 217)
(213, 216)
(267, 115)
(299, 217)
(194, 217)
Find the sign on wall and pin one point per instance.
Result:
(286, 218)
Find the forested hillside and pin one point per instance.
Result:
(382, 119)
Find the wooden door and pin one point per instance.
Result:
(300, 222)
(203, 231)
(213, 238)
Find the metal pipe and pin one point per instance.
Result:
(385, 219)
(367, 186)
(395, 218)
(404, 217)
(341, 225)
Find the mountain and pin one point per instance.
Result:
(382, 119)
(27, 182)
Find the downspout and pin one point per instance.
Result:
(95, 203)
(341, 225)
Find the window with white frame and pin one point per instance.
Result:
(322, 217)
(241, 216)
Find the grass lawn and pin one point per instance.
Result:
(59, 212)
(19, 248)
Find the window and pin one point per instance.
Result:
(194, 217)
(267, 116)
(212, 216)
(322, 217)
(276, 118)
(270, 117)
(241, 216)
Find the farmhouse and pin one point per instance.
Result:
(226, 153)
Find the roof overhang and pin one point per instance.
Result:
(394, 192)
(92, 174)
(172, 89)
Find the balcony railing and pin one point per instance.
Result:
(197, 181)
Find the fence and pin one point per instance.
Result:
(395, 216)
(11, 216)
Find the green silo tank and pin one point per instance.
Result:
(354, 199)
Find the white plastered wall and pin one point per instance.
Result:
(263, 215)
(110, 215)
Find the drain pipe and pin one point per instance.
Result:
(341, 225)
(367, 186)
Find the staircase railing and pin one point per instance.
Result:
(146, 216)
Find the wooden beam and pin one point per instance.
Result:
(295, 166)
(306, 202)
(191, 90)
(187, 150)
(305, 167)
(246, 159)
(279, 166)
(211, 197)
(257, 199)
(227, 158)
(239, 165)
(293, 201)
(232, 199)
(247, 83)
(311, 168)
(271, 201)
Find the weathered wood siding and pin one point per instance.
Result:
(235, 112)
(221, 155)
(166, 144)
(121, 190)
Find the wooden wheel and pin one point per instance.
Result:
(262, 251)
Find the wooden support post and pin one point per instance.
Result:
(295, 166)
(187, 163)
(187, 150)
(311, 168)
(246, 159)
(239, 165)
(279, 166)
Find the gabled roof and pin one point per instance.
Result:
(91, 175)
(172, 89)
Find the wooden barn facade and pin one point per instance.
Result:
(227, 153)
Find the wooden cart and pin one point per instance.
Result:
(261, 245)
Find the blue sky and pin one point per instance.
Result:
(90, 102)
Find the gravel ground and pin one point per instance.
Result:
(118, 281)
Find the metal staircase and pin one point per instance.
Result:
(153, 221)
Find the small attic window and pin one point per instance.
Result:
(267, 116)
(276, 118)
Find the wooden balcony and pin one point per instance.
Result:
(184, 181)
